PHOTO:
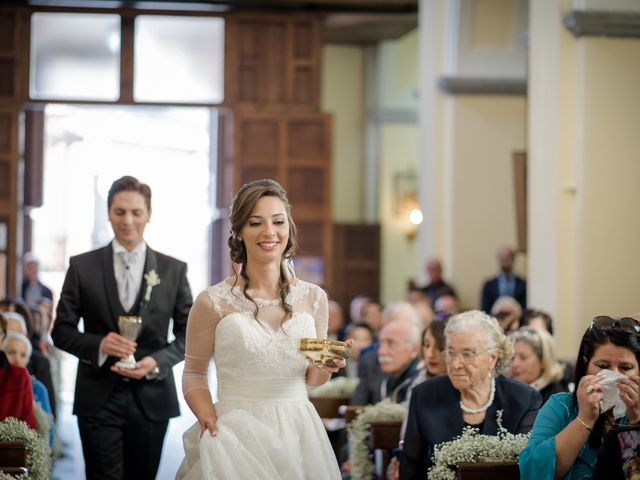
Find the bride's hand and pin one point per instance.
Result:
(209, 423)
(335, 365)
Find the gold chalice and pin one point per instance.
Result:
(130, 328)
(324, 351)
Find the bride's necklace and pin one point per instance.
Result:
(486, 405)
(264, 302)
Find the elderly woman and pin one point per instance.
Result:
(18, 349)
(16, 394)
(570, 428)
(472, 393)
(534, 362)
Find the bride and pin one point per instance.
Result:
(263, 426)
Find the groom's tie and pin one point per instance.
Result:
(127, 285)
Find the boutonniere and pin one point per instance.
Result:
(152, 278)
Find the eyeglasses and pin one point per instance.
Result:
(627, 324)
(467, 356)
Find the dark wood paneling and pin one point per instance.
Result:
(5, 181)
(258, 139)
(7, 74)
(356, 262)
(310, 236)
(126, 57)
(249, 174)
(307, 186)
(7, 30)
(273, 62)
(307, 138)
(303, 91)
(14, 64)
(261, 62)
(6, 133)
(303, 41)
(33, 156)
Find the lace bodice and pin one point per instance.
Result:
(245, 349)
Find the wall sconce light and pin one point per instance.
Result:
(406, 202)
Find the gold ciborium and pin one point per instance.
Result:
(324, 351)
(129, 327)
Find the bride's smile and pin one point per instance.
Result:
(266, 232)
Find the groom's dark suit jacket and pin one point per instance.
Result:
(90, 292)
(435, 416)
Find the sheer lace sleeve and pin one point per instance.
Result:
(201, 325)
(321, 313)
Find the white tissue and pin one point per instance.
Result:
(611, 393)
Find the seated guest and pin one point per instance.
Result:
(39, 365)
(446, 304)
(507, 311)
(336, 325)
(18, 350)
(357, 308)
(362, 337)
(570, 427)
(372, 316)
(16, 394)
(534, 362)
(540, 319)
(619, 456)
(473, 393)
(537, 319)
(397, 359)
(432, 361)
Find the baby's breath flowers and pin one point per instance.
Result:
(471, 447)
(361, 464)
(336, 387)
(38, 453)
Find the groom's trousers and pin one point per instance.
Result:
(119, 442)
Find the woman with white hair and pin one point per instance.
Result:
(535, 363)
(16, 394)
(18, 349)
(473, 393)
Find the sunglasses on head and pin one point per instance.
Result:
(525, 333)
(628, 324)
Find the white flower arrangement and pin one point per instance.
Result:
(44, 421)
(471, 447)
(361, 463)
(152, 279)
(38, 456)
(336, 387)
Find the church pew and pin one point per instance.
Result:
(488, 471)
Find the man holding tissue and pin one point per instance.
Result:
(570, 428)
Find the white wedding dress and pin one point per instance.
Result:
(267, 428)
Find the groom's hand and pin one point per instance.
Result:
(116, 345)
(143, 367)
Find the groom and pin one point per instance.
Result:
(123, 414)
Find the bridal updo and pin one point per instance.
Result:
(241, 207)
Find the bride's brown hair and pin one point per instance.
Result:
(241, 207)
